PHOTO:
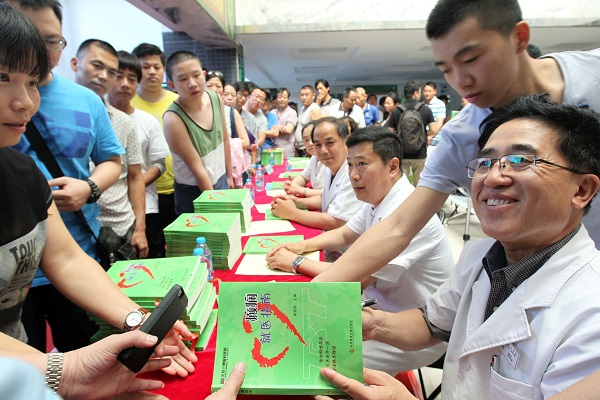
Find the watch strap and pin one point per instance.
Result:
(54, 370)
(96, 192)
(296, 263)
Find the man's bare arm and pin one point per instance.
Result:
(390, 237)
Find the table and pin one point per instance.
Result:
(197, 385)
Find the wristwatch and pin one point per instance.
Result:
(296, 263)
(96, 192)
(134, 319)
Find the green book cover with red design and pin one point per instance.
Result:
(264, 244)
(286, 332)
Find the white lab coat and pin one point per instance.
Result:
(552, 320)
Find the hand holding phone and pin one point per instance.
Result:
(159, 323)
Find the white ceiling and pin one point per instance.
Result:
(373, 57)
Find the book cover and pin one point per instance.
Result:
(272, 217)
(286, 332)
(264, 244)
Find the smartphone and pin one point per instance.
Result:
(158, 324)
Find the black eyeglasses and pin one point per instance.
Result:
(56, 44)
(510, 163)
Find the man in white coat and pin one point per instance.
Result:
(520, 313)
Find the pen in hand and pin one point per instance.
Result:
(368, 302)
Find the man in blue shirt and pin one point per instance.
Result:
(371, 112)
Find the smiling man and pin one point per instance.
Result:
(374, 157)
(520, 310)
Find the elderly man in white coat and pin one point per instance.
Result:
(521, 313)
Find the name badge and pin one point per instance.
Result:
(269, 169)
(511, 354)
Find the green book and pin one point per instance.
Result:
(286, 332)
(277, 185)
(264, 244)
(270, 216)
(150, 279)
(290, 174)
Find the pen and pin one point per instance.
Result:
(368, 302)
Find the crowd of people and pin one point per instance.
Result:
(115, 155)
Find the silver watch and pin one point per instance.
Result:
(54, 370)
(296, 263)
(134, 319)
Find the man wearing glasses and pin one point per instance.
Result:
(73, 122)
(520, 310)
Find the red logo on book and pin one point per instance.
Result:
(263, 361)
(267, 243)
(216, 195)
(196, 220)
(130, 272)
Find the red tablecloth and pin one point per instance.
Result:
(197, 385)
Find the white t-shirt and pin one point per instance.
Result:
(407, 281)
(356, 114)
(315, 173)
(153, 148)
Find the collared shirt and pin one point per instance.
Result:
(329, 107)
(438, 107)
(504, 279)
(371, 114)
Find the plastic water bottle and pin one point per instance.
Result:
(260, 179)
(288, 165)
(248, 185)
(272, 158)
(207, 254)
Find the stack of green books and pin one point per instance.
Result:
(222, 232)
(146, 282)
(299, 162)
(222, 201)
(285, 332)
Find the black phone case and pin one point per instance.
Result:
(158, 324)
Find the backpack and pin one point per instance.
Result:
(411, 129)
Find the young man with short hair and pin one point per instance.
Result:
(154, 99)
(154, 148)
(201, 157)
(480, 46)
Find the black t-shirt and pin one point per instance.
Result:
(24, 201)
(427, 117)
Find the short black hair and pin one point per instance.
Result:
(86, 44)
(349, 90)
(386, 144)
(325, 82)
(22, 48)
(241, 85)
(410, 88)
(340, 126)
(308, 87)
(577, 128)
(281, 90)
(533, 51)
(177, 58)
(496, 15)
(146, 49)
(430, 84)
(40, 4)
(130, 62)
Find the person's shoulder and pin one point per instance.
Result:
(170, 96)
(118, 116)
(9, 155)
(144, 117)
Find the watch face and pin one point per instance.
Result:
(134, 319)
